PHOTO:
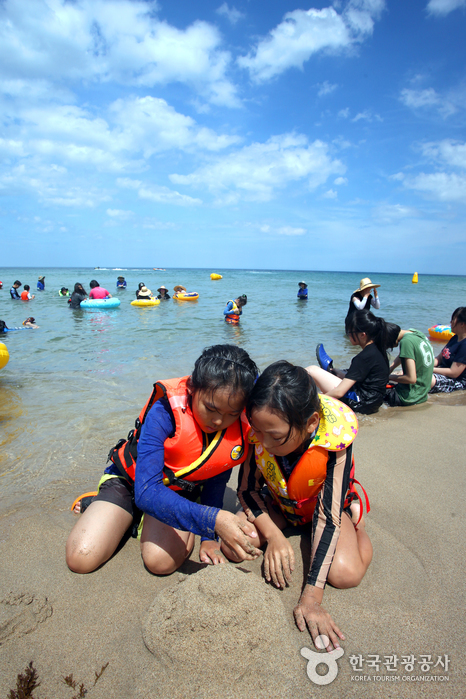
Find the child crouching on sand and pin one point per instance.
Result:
(191, 432)
(303, 455)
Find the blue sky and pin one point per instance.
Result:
(249, 134)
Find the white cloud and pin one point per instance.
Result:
(367, 116)
(120, 214)
(442, 186)
(152, 125)
(156, 225)
(330, 194)
(452, 153)
(344, 113)
(49, 183)
(110, 40)
(256, 171)
(232, 14)
(162, 195)
(133, 130)
(303, 33)
(444, 7)
(340, 180)
(425, 99)
(289, 230)
(326, 88)
(388, 213)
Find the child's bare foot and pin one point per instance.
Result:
(82, 502)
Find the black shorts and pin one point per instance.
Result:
(120, 492)
(392, 398)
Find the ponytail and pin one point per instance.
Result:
(374, 327)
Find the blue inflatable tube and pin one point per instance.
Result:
(98, 304)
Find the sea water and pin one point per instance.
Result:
(74, 386)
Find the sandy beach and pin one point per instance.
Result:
(411, 601)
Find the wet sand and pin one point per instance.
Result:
(411, 602)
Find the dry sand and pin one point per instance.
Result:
(226, 633)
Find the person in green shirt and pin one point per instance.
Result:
(417, 362)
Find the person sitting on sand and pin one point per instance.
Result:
(193, 432)
(362, 299)
(121, 283)
(63, 291)
(163, 294)
(416, 357)
(450, 365)
(363, 386)
(78, 295)
(41, 283)
(303, 455)
(30, 323)
(98, 292)
(26, 295)
(302, 291)
(144, 294)
(14, 290)
(233, 309)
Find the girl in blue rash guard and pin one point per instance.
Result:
(193, 432)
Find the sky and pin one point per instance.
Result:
(256, 134)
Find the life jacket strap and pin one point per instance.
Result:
(171, 479)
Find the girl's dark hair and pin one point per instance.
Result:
(224, 366)
(94, 283)
(243, 298)
(393, 330)
(287, 390)
(374, 327)
(459, 314)
(79, 289)
(3, 326)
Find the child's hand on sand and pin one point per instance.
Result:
(234, 533)
(308, 612)
(210, 553)
(278, 560)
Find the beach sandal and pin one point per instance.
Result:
(85, 499)
(325, 361)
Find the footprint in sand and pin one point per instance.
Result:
(21, 613)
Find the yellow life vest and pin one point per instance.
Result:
(297, 496)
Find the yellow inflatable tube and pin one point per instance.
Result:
(442, 333)
(216, 276)
(144, 303)
(4, 355)
(186, 296)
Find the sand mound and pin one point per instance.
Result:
(222, 632)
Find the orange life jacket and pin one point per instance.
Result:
(234, 317)
(188, 456)
(297, 496)
(24, 296)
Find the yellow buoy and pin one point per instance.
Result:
(216, 276)
(4, 355)
(415, 278)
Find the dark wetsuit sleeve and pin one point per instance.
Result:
(151, 495)
(326, 522)
(213, 491)
(250, 483)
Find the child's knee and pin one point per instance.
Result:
(80, 558)
(160, 562)
(347, 574)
